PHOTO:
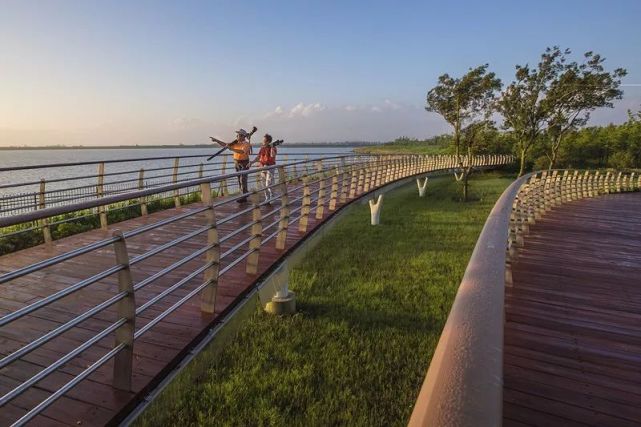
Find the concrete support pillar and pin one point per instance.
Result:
(422, 188)
(375, 209)
(283, 302)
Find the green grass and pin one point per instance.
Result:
(372, 302)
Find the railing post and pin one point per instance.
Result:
(573, 186)
(594, 184)
(352, 185)
(366, 179)
(257, 234)
(200, 170)
(334, 193)
(379, 173)
(222, 186)
(307, 165)
(608, 183)
(359, 185)
(102, 212)
(208, 294)
(42, 203)
(306, 202)
(556, 191)
(387, 177)
(563, 190)
(320, 203)
(175, 180)
(141, 186)
(344, 183)
(123, 361)
(602, 180)
(281, 238)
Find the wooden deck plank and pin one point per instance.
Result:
(94, 401)
(572, 351)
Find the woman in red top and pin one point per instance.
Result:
(266, 157)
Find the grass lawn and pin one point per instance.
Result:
(372, 303)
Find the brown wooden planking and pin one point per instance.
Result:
(157, 350)
(572, 353)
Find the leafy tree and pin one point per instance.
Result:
(523, 103)
(466, 103)
(572, 95)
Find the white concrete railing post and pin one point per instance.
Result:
(375, 209)
(422, 188)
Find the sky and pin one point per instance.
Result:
(168, 72)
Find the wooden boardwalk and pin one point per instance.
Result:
(94, 401)
(572, 354)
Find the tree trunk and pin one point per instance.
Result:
(552, 161)
(554, 152)
(465, 184)
(522, 169)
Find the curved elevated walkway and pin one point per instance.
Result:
(572, 350)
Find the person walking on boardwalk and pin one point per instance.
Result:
(241, 148)
(267, 157)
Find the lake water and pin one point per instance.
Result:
(15, 158)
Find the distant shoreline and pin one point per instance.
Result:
(134, 147)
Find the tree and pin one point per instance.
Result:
(466, 103)
(522, 104)
(572, 95)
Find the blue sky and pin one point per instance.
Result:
(127, 72)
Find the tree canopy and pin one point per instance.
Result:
(545, 106)
(466, 103)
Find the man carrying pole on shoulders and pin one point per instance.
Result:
(241, 148)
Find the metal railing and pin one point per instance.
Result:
(72, 187)
(74, 181)
(464, 382)
(303, 188)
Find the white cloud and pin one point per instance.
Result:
(316, 122)
(303, 110)
(392, 105)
